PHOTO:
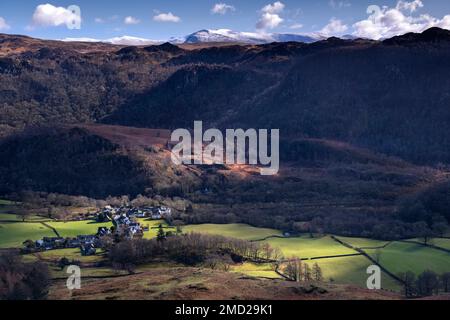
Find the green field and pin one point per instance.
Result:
(363, 242)
(439, 242)
(8, 217)
(442, 242)
(12, 235)
(351, 270)
(306, 247)
(234, 230)
(401, 257)
(5, 202)
(255, 270)
(76, 228)
(153, 227)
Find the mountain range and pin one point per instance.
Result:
(214, 36)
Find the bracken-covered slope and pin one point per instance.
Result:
(204, 284)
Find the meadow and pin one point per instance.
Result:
(363, 242)
(306, 247)
(12, 235)
(233, 230)
(401, 257)
(75, 228)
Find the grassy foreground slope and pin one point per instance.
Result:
(205, 284)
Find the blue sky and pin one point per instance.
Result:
(103, 19)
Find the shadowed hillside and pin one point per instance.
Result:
(390, 96)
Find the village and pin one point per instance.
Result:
(125, 225)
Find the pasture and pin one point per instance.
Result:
(153, 227)
(363, 242)
(438, 242)
(350, 270)
(232, 230)
(306, 247)
(12, 235)
(401, 257)
(75, 228)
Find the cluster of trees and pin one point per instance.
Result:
(425, 284)
(22, 281)
(295, 270)
(190, 249)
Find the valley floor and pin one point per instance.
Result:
(343, 260)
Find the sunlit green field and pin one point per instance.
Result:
(342, 270)
(153, 227)
(363, 242)
(306, 247)
(76, 228)
(238, 231)
(255, 270)
(401, 257)
(350, 270)
(12, 235)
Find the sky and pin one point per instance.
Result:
(164, 19)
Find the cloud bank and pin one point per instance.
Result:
(387, 22)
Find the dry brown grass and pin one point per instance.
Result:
(205, 284)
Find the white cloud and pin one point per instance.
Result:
(166, 17)
(409, 6)
(296, 26)
(276, 7)
(3, 24)
(131, 20)
(270, 16)
(334, 27)
(49, 15)
(387, 22)
(222, 8)
(338, 4)
(99, 20)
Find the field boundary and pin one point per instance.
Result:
(269, 237)
(385, 270)
(51, 228)
(431, 246)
